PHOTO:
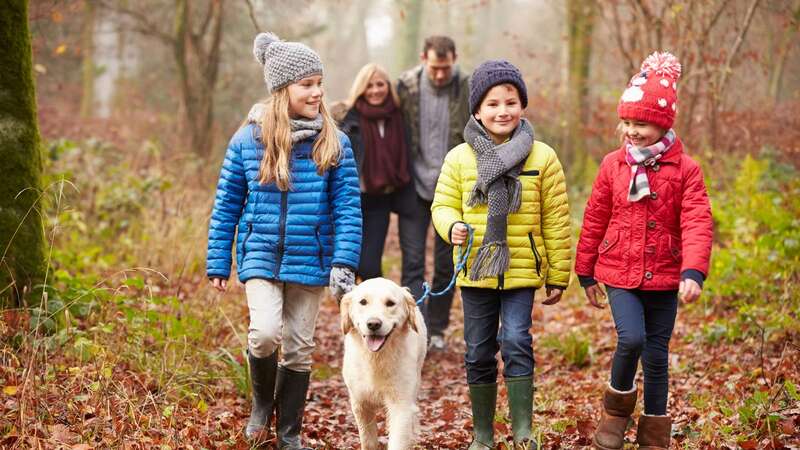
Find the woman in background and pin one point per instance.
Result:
(374, 124)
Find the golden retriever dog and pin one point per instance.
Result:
(384, 349)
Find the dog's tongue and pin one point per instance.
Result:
(374, 343)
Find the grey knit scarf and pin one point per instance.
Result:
(498, 186)
(305, 128)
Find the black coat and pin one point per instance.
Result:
(351, 126)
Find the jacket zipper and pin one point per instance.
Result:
(319, 246)
(281, 232)
(536, 255)
(246, 237)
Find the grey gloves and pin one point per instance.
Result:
(342, 281)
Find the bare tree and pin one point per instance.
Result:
(706, 36)
(719, 83)
(779, 54)
(195, 40)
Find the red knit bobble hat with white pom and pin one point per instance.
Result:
(652, 94)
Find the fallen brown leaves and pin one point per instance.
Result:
(69, 404)
(108, 401)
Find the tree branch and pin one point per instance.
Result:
(252, 14)
(212, 60)
(714, 19)
(179, 48)
(621, 42)
(737, 44)
(207, 19)
(142, 24)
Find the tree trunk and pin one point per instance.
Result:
(22, 260)
(580, 24)
(198, 69)
(409, 42)
(88, 69)
(777, 69)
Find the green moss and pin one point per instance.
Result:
(21, 227)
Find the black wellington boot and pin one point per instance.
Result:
(290, 394)
(262, 374)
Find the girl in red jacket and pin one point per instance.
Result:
(646, 235)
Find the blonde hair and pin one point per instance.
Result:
(620, 131)
(276, 134)
(362, 81)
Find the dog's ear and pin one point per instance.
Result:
(344, 312)
(411, 309)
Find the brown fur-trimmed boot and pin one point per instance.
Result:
(654, 432)
(617, 409)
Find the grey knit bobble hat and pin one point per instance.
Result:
(284, 62)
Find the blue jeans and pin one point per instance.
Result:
(644, 322)
(484, 311)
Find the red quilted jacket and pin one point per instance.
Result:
(646, 244)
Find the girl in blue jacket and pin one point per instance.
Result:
(288, 191)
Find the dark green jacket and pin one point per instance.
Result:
(408, 90)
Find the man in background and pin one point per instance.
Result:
(434, 100)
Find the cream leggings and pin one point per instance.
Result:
(283, 314)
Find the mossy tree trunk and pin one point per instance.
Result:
(22, 249)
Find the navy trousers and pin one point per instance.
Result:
(644, 322)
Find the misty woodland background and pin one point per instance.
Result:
(115, 339)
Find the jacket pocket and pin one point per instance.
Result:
(674, 248)
(319, 248)
(608, 243)
(536, 255)
(246, 237)
(531, 184)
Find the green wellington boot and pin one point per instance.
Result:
(484, 400)
(520, 405)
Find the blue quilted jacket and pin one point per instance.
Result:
(294, 236)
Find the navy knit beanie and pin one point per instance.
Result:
(490, 74)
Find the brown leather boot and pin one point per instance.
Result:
(654, 432)
(617, 409)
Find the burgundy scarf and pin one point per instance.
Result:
(385, 158)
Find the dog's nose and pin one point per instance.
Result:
(373, 324)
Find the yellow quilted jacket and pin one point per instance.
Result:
(538, 234)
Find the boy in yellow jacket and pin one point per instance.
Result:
(511, 190)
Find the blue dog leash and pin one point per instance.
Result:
(463, 255)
